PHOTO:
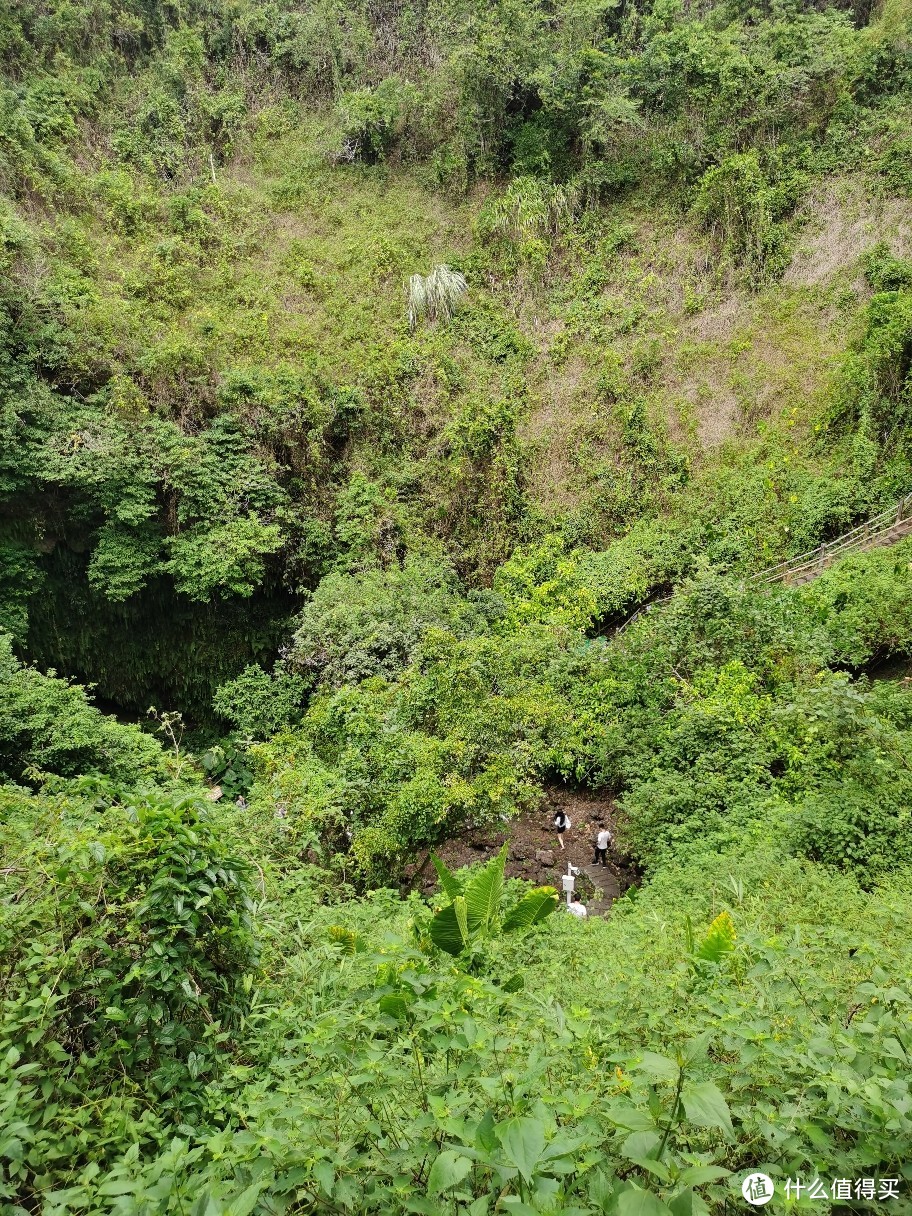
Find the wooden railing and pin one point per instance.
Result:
(863, 536)
(860, 537)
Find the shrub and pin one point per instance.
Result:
(49, 724)
(127, 952)
(373, 119)
(744, 211)
(860, 822)
(259, 704)
(370, 624)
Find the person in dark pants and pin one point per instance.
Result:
(602, 841)
(561, 823)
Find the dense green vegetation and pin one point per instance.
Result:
(362, 368)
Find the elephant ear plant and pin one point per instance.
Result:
(474, 913)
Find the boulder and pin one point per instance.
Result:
(545, 856)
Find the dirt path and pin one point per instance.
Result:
(536, 855)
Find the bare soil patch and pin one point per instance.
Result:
(535, 854)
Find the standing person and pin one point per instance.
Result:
(561, 823)
(602, 841)
(576, 907)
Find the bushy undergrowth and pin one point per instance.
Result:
(634, 1070)
(394, 539)
(727, 714)
(744, 1010)
(251, 188)
(49, 725)
(126, 937)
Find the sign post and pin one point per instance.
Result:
(568, 880)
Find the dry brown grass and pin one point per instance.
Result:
(843, 221)
(729, 358)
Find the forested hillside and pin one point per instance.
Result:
(364, 367)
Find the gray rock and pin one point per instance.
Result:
(545, 856)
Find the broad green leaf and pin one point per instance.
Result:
(635, 1202)
(462, 917)
(719, 939)
(206, 1205)
(347, 1192)
(651, 1166)
(696, 1048)
(425, 1207)
(563, 1146)
(705, 1106)
(688, 1203)
(118, 1186)
(641, 1144)
(448, 880)
(394, 1005)
(893, 1047)
(523, 1142)
(445, 931)
(601, 1190)
(483, 894)
(246, 1201)
(326, 1176)
(696, 1175)
(532, 908)
(633, 1118)
(486, 1132)
(513, 1203)
(448, 1169)
(660, 1067)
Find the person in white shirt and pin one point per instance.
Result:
(602, 841)
(576, 907)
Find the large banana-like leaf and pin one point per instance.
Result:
(448, 880)
(483, 893)
(450, 927)
(533, 907)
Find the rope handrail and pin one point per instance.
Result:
(878, 525)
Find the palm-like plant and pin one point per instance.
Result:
(529, 209)
(435, 296)
(474, 913)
